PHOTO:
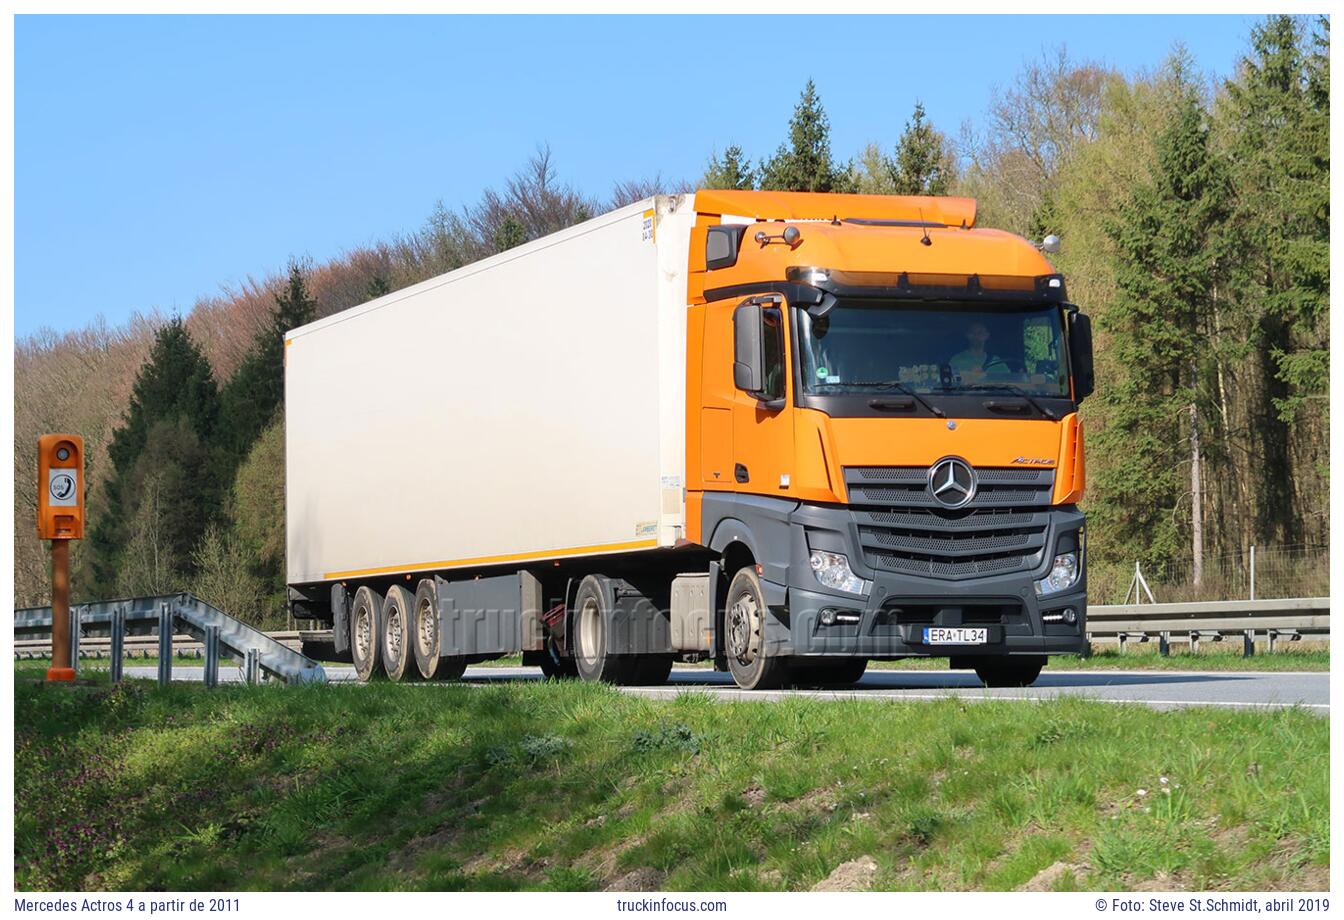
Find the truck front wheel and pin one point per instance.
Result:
(366, 631)
(744, 635)
(1010, 672)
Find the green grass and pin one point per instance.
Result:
(571, 785)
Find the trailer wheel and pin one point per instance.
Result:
(840, 673)
(744, 635)
(426, 638)
(590, 636)
(1010, 672)
(366, 629)
(398, 652)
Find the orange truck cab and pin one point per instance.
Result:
(881, 413)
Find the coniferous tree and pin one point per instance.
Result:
(1279, 120)
(1168, 243)
(174, 398)
(731, 171)
(922, 164)
(804, 164)
(256, 390)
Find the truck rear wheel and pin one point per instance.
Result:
(591, 616)
(744, 634)
(1010, 672)
(398, 653)
(366, 630)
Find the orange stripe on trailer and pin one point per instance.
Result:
(489, 560)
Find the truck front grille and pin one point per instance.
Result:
(903, 528)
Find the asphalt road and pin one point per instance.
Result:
(1158, 689)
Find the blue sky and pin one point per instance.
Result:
(158, 159)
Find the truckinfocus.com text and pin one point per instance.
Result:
(657, 905)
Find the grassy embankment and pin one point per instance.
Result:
(573, 785)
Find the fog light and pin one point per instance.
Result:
(828, 617)
(832, 571)
(1063, 575)
(1067, 615)
(1070, 616)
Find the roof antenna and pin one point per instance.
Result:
(925, 238)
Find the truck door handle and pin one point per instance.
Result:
(740, 473)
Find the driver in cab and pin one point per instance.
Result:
(976, 362)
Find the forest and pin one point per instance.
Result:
(1194, 214)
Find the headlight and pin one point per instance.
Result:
(833, 571)
(1063, 575)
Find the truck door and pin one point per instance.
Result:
(763, 423)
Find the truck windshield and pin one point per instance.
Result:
(863, 346)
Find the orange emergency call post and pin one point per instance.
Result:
(60, 519)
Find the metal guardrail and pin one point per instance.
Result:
(184, 646)
(161, 616)
(1284, 619)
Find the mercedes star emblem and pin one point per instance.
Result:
(952, 482)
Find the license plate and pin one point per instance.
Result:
(956, 635)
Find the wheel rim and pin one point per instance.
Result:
(426, 627)
(394, 633)
(589, 631)
(744, 626)
(363, 633)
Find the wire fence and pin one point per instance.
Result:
(1261, 573)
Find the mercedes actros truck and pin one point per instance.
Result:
(788, 433)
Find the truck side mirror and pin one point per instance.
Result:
(1080, 355)
(748, 349)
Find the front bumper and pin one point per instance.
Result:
(892, 616)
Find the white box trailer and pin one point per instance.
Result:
(527, 407)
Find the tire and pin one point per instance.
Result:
(398, 650)
(843, 672)
(1010, 672)
(425, 637)
(366, 629)
(589, 634)
(651, 670)
(744, 618)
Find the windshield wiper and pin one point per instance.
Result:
(1015, 390)
(900, 388)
